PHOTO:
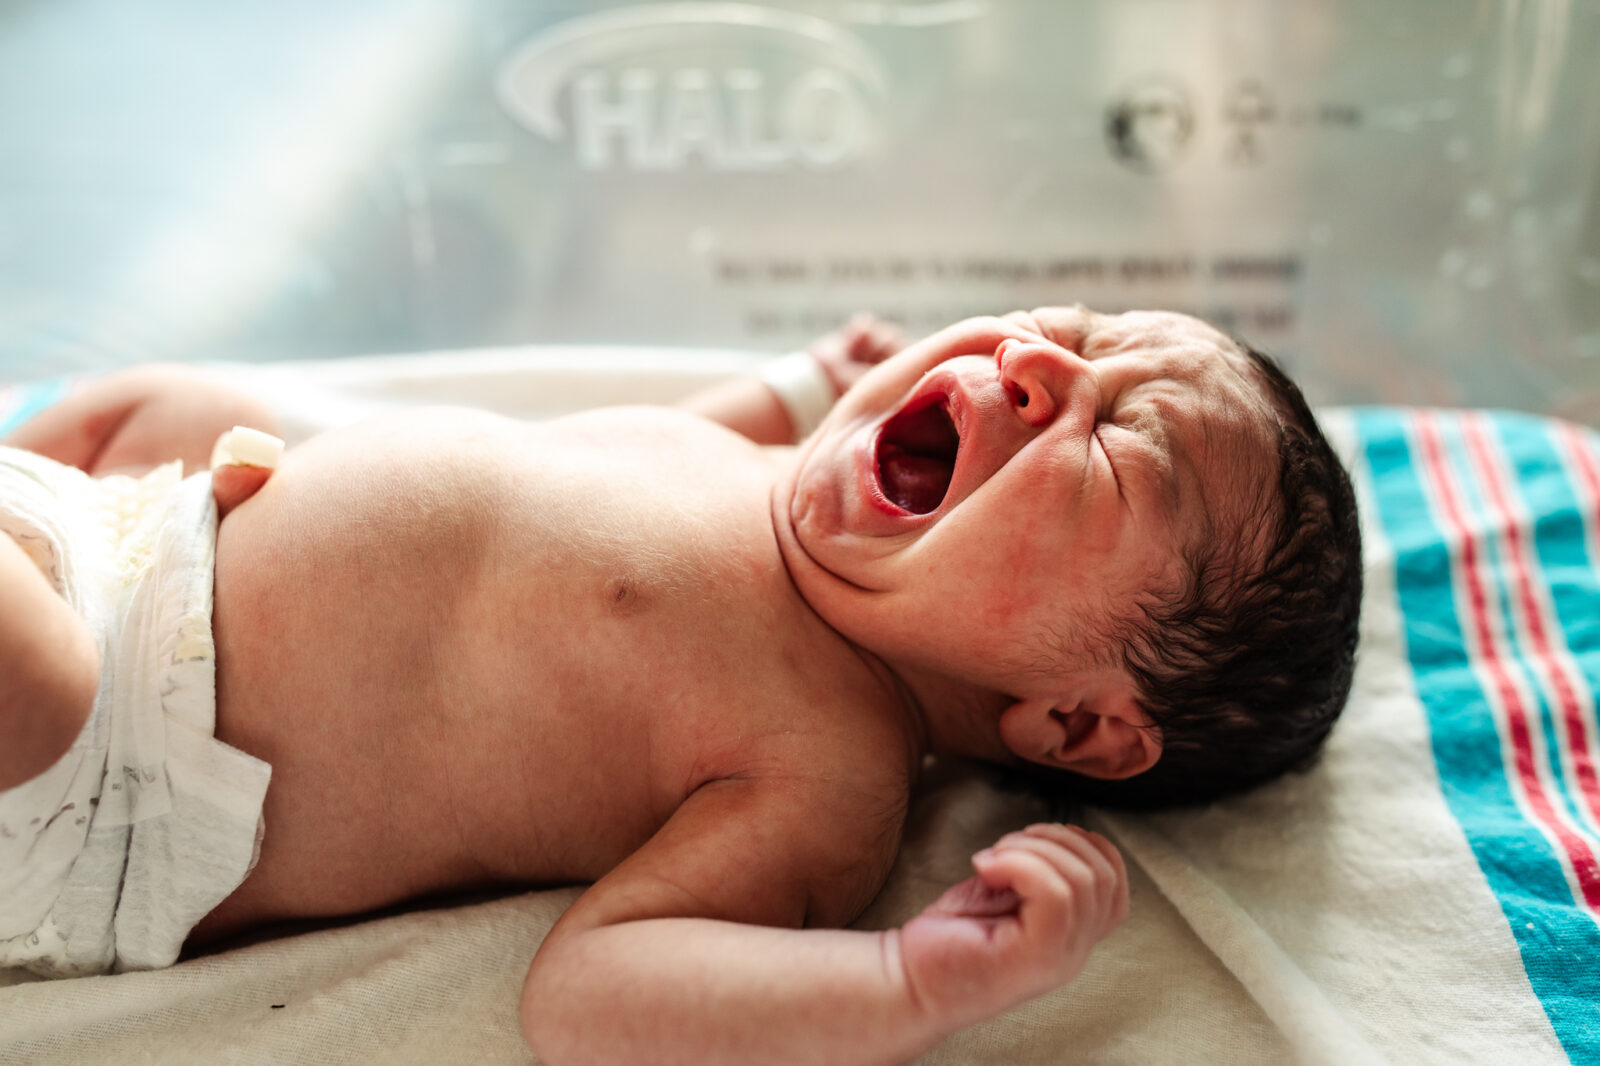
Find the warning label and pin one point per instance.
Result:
(788, 294)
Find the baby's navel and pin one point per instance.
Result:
(623, 596)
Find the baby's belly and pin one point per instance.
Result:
(357, 597)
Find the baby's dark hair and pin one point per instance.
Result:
(1244, 669)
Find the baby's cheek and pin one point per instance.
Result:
(1007, 611)
(1029, 565)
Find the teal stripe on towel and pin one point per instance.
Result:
(1569, 578)
(1558, 940)
(1503, 566)
(1566, 580)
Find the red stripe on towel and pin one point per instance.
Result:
(1572, 848)
(1537, 617)
(1578, 449)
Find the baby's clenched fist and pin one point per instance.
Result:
(1041, 899)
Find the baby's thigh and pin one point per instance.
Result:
(49, 669)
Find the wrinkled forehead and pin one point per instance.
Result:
(1212, 407)
(1189, 370)
(1185, 347)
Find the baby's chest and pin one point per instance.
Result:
(639, 576)
(647, 664)
(611, 727)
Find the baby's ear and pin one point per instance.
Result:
(1100, 730)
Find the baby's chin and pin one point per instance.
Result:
(831, 569)
(820, 505)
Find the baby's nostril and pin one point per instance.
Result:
(1022, 398)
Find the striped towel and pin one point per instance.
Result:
(1495, 523)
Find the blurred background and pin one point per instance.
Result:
(1401, 200)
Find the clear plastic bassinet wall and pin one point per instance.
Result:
(1402, 200)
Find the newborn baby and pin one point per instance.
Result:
(633, 648)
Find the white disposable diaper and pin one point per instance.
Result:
(111, 856)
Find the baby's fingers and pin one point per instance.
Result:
(1118, 872)
(1046, 895)
(873, 340)
(1103, 858)
(1086, 862)
(1093, 848)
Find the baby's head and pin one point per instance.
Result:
(1116, 549)
(1245, 664)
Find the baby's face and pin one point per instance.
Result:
(993, 499)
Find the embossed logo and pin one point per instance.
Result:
(726, 86)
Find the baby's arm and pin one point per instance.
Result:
(750, 407)
(49, 669)
(691, 952)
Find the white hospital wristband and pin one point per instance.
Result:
(803, 388)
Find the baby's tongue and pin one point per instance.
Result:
(916, 482)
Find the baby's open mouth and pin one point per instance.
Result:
(917, 455)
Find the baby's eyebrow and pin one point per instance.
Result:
(1145, 419)
(1150, 425)
(1216, 445)
(1157, 420)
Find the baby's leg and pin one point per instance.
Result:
(49, 669)
(137, 419)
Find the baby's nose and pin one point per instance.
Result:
(1043, 380)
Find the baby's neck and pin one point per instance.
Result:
(951, 717)
(947, 716)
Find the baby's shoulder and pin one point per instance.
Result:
(835, 788)
(860, 813)
(828, 833)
